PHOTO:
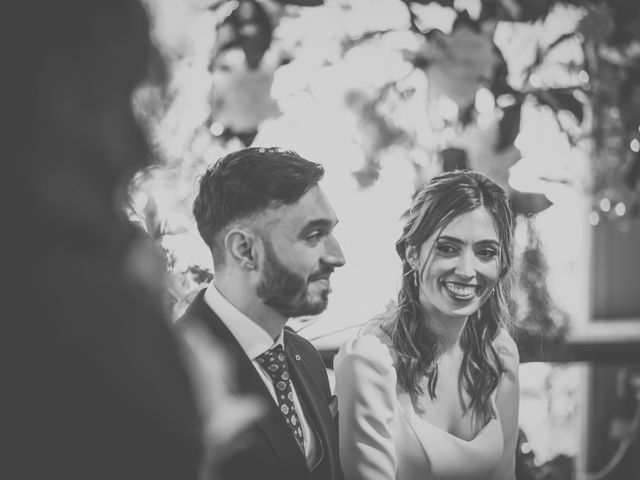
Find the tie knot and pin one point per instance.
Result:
(274, 362)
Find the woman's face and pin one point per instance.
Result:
(460, 267)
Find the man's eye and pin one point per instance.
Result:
(314, 235)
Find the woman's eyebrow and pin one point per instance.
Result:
(447, 238)
(488, 241)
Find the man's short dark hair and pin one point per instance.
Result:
(247, 182)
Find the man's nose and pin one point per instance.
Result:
(333, 253)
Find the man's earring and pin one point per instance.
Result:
(248, 266)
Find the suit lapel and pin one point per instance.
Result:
(314, 400)
(272, 425)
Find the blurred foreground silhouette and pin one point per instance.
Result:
(95, 386)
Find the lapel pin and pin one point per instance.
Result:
(298, 357)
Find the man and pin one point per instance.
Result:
(270, 230)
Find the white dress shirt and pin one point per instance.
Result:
(254, 340)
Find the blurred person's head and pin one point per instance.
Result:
(71, 136)
(456, 250)
(270, 227)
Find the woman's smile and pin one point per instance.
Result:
(459, 291)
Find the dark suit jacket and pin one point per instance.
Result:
(270, 451)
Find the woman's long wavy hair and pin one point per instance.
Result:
(415, 344)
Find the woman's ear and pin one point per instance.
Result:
(239, 244)
(411, 254)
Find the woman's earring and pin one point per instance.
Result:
(415, 278)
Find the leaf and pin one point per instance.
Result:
(248, 27)
(302, 3)
(533, 10)
(631, 175)
(560, 40)
(524, 10)
(454, 159)
(464, 20)
(444, 3)
(466, 115)
(509, 127)
(528, 203)
(226, 38)
(200, 274)
(561, 99)
(255, 32)
(368, 174)
(245, 137)
(499, 82)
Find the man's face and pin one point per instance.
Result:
(300, 253)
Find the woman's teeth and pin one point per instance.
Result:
(461, 291)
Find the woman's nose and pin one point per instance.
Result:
(465, 267)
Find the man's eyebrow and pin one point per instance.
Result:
(320, 222)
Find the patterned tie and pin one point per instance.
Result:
(274, 362)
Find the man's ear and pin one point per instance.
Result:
(411, 254)
(240, 244)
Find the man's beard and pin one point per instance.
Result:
(286, 291)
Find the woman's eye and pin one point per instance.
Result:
(445, 249)
(488, 253)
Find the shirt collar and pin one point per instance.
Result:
(253, 339)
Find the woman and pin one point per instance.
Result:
(431, 392)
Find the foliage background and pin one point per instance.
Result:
(541, 95)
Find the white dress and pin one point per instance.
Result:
(382, 438)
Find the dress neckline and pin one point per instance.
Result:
(409, 411)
